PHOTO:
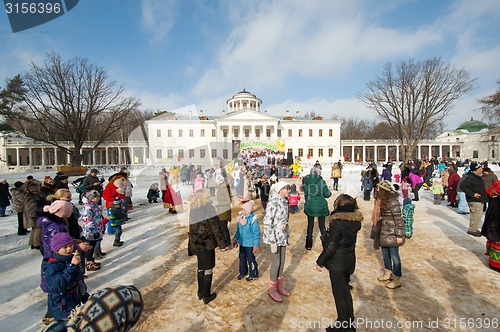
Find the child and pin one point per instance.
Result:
(405, 187)
(293, 199)
(92, 226)
(276, 234)
(265, 187)
(366, 185)
(438, 190)
(407, 214)
(116, 219)
(153, 193)
(64, 279)
(248, 237)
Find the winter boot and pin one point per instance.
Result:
(282, 290)
(272, 291)
(117, 243)
(309, 243)
(207, 286)
(386, 276)
(394, 283)
(201, 277)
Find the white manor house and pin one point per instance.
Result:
(188, 136)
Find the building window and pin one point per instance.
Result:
(181, 153)
(213, 132)
(202, 153)
(475, 153)
(310, 153)
(320, 133)
(247, 133)
(235, 132)
(310, 132)
(301, 153)
(169, 133)
(330, 153)
(268, 132)
(170, 153)
(224, 132)
(191, 132)
(191, 153)
(257, 132)
(180, 132)
(320, 152)
(493, 154)
(213, 153)
(158, 133)
(279, 132)
(202, 132)
(300, 132)
(330, 132)
(225, 153)
(159, 154)
(289, 133)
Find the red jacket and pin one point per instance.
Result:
(294, 199)
(109, 194)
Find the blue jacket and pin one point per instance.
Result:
(65, 285)
(248, 235)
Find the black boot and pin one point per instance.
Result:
(309, 243)
(201, 278)
(207, 286)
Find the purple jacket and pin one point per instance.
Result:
(51, 224)
(415, 179)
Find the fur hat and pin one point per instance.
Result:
(279, 185)
(315, 171)
(60, 240)
(386, 185)
(248, 206)
(60, 208)
(474, 166)
(92, 194)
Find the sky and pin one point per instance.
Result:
(310, 56)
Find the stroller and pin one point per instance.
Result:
(78, 185)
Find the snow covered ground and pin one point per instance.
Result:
(447, 284)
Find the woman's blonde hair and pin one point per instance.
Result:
(201, 197)
(60, 193)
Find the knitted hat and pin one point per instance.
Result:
(60, 240)
(92, 194)
(248, 206)
(278, 186)
(386, 185)
(60, 208)
(407, 201)
(117, 201)
(473, 166)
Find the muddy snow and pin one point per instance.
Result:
(447, 284)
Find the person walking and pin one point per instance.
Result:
(336, 174)
(315, 193)
(475, 193)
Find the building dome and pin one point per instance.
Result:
(472, 126)
(243, 100)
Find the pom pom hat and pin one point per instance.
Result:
(60, 240)
(60, 208)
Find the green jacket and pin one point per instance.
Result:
(316, 192)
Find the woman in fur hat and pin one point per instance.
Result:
(390, 232)
(339, 256)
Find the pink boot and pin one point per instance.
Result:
(282, 290)
(273, 293)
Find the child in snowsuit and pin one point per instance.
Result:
(93, 227)
(64, 278)
(248, 237)
(405, 188)
(293, 199)
(153, 193)
(407, 214)
(116, 218)
(438, 190)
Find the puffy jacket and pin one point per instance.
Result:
(415, 179)
(248, 235)
(92, 220)
(275, 221)
(315, 193)
(204, 228)
(392, 224)
(339, 246)
(224, 201)
(294, 199)
(473, 184)
(18, 195)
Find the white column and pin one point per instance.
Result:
(364, 153)
(43, 157)
(397, 153)
(18, 156)
(144, 155)
(120, 156)
(55, 157)
(375, 154)
(107, 157)
(30, 157)
(419, 155)
(352, 154)
(386, 153)
(440, 151)
(253, 132)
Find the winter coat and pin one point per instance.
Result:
(488, 179)
(415, 179)
(248, 235)
(407, 214)
(128, 188)
(204, 228)
(223, 194)
(65, 285)
(51, 225)
(391, 224)
(109, 194)
(153, 194)
(315, 193)
(491, 225)
(437, 188)
(163, 177)
(264, 191)
(33, 206)
(471, 185)
(339, 245)
(366, 182)
(294, 199)
(336, 172)
(17, 199)
(275, 221)
(184, 174)
(453, 180)
(386, 175)
(4, 194)
(88, 183)
(92, 220)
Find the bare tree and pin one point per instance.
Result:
(413, 95)
(491, 107)
(67, 101)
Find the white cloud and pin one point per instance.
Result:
(158, 17)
